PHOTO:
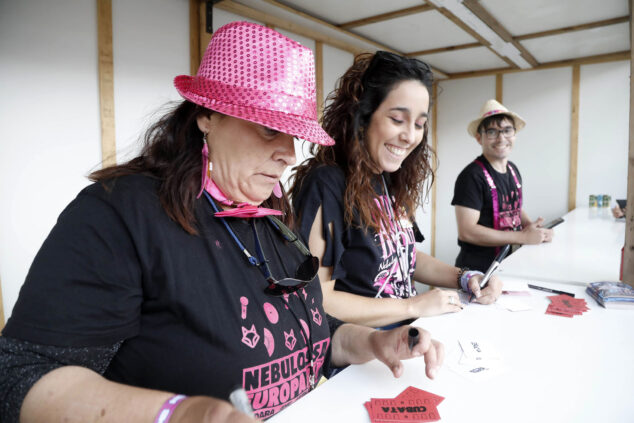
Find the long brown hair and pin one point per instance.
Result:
(358, 94)
(172, 153)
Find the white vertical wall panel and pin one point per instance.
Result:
(336, 63)
(50, 130)
(149, 50)
(603, 131)
(542, 148)
(459, 102)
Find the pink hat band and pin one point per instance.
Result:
(250, 97)
(494, 112)
(254, 73)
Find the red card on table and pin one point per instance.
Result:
(566, 306)
(411, 405)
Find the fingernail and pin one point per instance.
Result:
(416, 353)
(432, 372)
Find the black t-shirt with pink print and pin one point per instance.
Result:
(191, 312)
(473, 191)
(363, 262)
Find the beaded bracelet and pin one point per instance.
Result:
(167, 409)
(464, 279)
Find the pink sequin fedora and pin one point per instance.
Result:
(255, 73)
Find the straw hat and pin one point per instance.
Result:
(491, 108)
(255, 73)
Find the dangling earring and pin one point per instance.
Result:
(206, 168)
(277, 190)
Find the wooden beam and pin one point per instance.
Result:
(434, 146)
(628, 250)
(205, 36)
(386, 16)
(572, 28)
(484, 15)
(466, 28)
(443, 49)
(319, 77)
(600, 58)
(248, 12)
(499, 87)
(106, 83)
(194, 36)
(574, 139)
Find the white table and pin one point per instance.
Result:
(558, 369)
(585, 248)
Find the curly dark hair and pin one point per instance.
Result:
(358, 94)
(172, 153)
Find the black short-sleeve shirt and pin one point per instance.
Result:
(472, 190)
(191, 311)
(364, 262)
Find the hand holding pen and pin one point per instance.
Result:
(487, 288)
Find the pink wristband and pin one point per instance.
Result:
(167, 409)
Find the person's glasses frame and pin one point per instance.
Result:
(493, 133)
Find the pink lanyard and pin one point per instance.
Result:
(494, 193)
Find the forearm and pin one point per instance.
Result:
(351, 345)
(367, 311)
(525, 219)
(76, 394)
(488, 237)
(431, 271)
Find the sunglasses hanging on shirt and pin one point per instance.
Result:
(305, 272)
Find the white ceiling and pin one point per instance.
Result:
(431, 29)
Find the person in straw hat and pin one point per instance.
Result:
(488, 193)
(356, 201)
(174, 278)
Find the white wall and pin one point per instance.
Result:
(603, 131)
(146, 60)
(459, 102)
(542, 150)
(49, 123)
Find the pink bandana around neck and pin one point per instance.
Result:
(243, 210)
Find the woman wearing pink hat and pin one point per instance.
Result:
(356, 201)
(174, 282)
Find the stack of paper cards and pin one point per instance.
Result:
(411, 405)
(479, 360)
(566, 306)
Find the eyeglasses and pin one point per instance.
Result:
(493, 133)
(306, 271)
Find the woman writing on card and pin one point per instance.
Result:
(174, 278)
(355, 202)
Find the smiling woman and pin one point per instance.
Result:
(355, 202)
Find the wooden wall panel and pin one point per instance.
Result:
(106, 82)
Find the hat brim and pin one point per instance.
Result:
(518, 121)
(297, 126)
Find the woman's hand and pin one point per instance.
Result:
(435, 301)
(391, 346)
(207, 410)
(490, 293)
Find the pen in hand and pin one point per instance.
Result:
(494, 266)
(240, 401)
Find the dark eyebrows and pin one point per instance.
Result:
(406, 110)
